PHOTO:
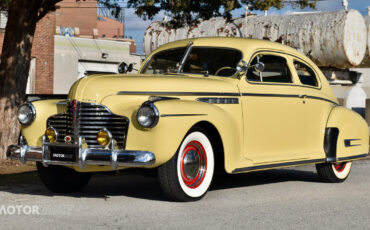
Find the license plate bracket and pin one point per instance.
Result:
(63, 153)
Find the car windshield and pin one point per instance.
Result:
(201, 60)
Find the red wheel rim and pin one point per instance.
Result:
(193, 164)
(340, 166)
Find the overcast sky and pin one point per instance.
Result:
(135, 26)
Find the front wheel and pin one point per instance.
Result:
(188, 175)
(334, 172)
(61, 179)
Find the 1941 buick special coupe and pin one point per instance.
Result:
(196, 107)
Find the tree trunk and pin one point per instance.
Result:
(335, 39)
(14, 67)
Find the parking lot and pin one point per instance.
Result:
(292, 198)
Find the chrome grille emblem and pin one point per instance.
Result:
(67, 139)
(74, 110)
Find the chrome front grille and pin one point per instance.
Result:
(86, 120)
(63, 124)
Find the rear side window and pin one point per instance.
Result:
(275, 70)
(306, 74)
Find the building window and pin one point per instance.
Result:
(3, 19)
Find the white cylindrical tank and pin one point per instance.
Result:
(352, 97)
(366, 62)
(335, 39)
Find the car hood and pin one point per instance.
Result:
(95, 88)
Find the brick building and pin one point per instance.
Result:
(78, 14)
(80, 17)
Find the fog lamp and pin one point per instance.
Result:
(52, 134)
(104, 137)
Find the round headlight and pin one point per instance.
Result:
(104, 137)
(26, 114)
(52, 134)
(148, 115)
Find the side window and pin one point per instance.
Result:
(275, 70)
(305, 74)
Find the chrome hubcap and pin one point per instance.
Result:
(193, 164)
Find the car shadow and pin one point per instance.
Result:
(227, 181)
(147, 187)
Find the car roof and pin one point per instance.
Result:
(245, 44)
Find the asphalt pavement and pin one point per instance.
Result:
(292, 198)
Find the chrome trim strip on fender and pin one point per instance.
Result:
(218, 100)
(347, 142)
(178, 93)
(182, 115)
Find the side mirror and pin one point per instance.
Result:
(130, 68)
(124, 68)
(242, 66)
(259, 67)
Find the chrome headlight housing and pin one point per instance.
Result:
(26, 114)
(148, 115)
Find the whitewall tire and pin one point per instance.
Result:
(188, 175)
(334, 172)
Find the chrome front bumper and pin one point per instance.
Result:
(84, 156)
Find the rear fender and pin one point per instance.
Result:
(353, 136)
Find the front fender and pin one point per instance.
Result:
(44, 109)
(177, 116)
(353, 138)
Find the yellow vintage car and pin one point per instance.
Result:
(197, 107)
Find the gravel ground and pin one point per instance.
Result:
(292, 198)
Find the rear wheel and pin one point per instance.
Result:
(334, 172)
(61, 179)
(188, 175)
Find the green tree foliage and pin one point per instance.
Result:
(4, 4)
(190, 12)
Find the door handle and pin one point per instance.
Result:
(302, 96)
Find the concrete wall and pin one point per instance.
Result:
(69, 52)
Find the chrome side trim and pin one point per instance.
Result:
(278, 165)
(157, 98)
(286, 164)
(219, 100)
(178, 93)
(352, 157)
(182, 115)
(287, 95)
(348, 142)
